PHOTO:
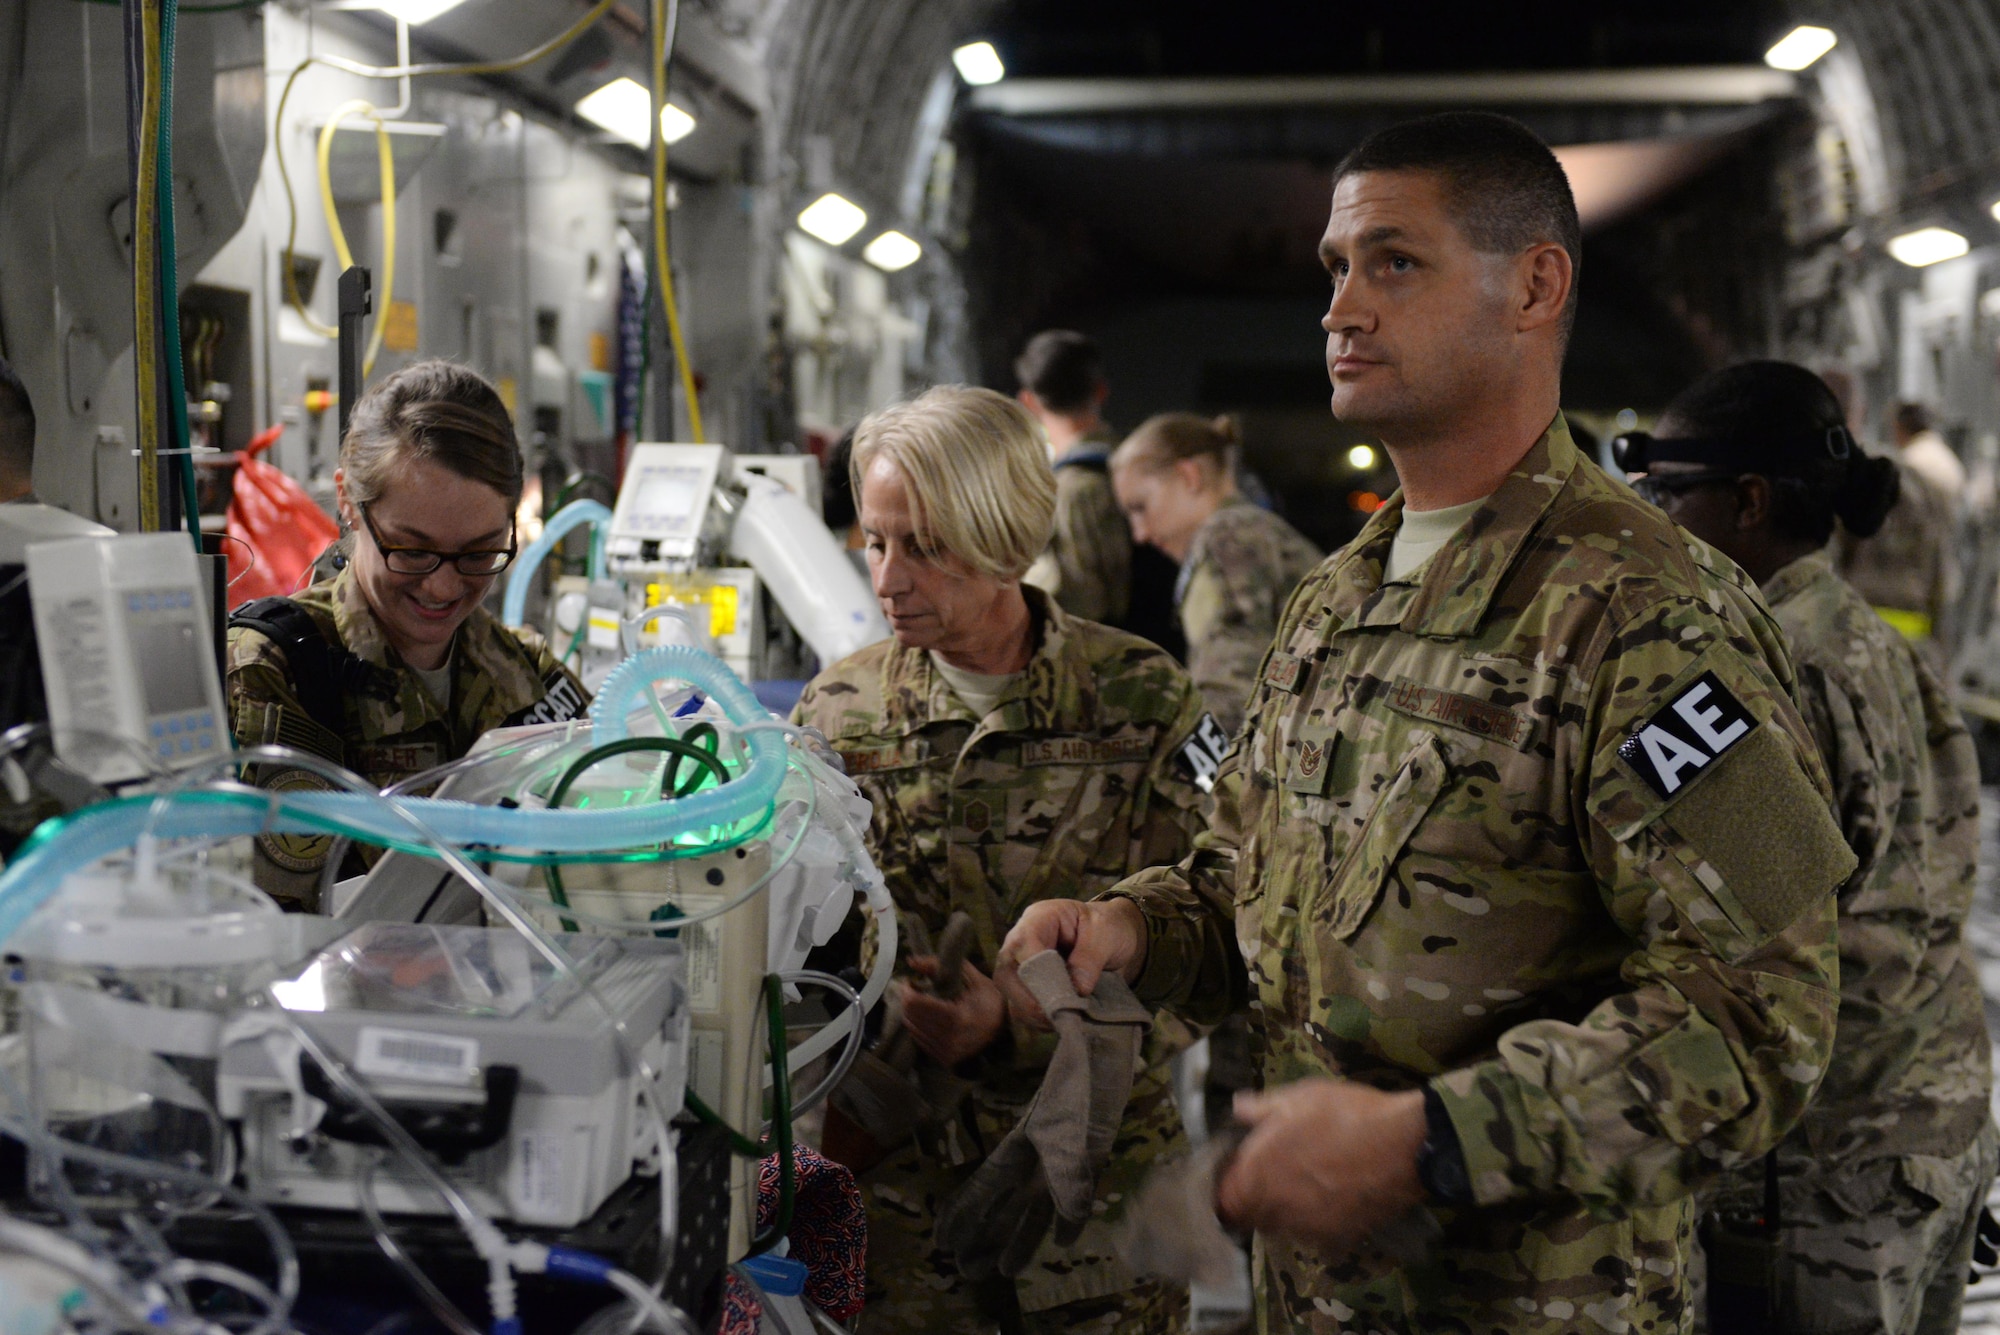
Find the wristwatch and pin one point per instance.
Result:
(1441, 1162)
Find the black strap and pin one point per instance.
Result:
(319, 670)
(1097, 461)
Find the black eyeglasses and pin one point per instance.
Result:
(1659, 488)
(422, 561)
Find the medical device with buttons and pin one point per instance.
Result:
(127, 653)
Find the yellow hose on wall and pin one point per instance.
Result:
(145, 268)
(660, 259)
(387, 157)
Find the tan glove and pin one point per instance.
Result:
(1046, 1168)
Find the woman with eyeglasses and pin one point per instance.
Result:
(1864, 1217)
(392, 666)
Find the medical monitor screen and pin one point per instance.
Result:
(169, 661)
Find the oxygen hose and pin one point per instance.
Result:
(514, 607)
(65, 845)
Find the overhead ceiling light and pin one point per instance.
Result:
(1361, 457)
(1800, 47)
(1995, 210)
(832, 219)
(675, 124)
(1928, 245)
(415, 12)
(624, 108)
(892, 251)
(978, 63)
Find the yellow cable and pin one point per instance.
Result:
(666, 272)
(145, 269)
(387, 158)
(556, 43)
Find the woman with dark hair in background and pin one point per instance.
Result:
(1863, 1218)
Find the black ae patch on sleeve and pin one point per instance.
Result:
(1682, 740)
(1201, 754)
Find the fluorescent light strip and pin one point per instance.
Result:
(893, 251)
(1928, 245)
(1800, 47)
(979, 64)
(832, 219)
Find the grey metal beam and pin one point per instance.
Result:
(1703, 85)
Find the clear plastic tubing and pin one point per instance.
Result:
(514, 606)
(98, 832)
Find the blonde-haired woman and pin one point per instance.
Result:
(1175, 480)
(392, 667)
(1012, 753)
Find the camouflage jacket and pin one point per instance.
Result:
(1909, 567)
(1541, 826)
(1088, 566)
(1071, 783)
(391, 727)
(1240, 570)
(1912, 1068)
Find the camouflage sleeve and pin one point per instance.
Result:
(1092, 547)
(1224, 646)
(546, 661)
(1702, 811)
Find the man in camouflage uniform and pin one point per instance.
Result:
(1088, 564)
(1515, 953)
(389, 726)
(1240, 570)
(1078, 768)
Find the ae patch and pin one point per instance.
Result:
(1694, 729)
(1201, 754)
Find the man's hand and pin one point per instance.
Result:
(1326, 1162)
(948, 1032)
(1093, 937)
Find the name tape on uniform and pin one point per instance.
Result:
(1203, 751)
(1682, 740)
(1084, 750)
(1287, 672)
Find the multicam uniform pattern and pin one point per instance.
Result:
(1881, 1183)
(1449, 856)
(392, 727)
(1070, 784)
(1240, 570)
(1088, 566)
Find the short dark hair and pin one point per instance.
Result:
(1912, 418)
(17, 427)
(1752, 405)
(1063, 368)
(1505, 187)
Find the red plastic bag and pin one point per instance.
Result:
(279, 532)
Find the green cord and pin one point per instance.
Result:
(170, 286)
(779, 1142)
(674, 746)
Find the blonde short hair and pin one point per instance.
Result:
(981, 488)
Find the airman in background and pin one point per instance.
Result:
(1877, 1193)
(1514, 953)
(1012, 752)
(1909, 570)
(1087, 567)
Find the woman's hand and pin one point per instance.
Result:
(949, 1032)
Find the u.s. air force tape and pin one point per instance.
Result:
(1201, 754)
(1684, 738)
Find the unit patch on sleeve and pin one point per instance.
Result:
(561, 702)
(1201, 754)
(1679, 742)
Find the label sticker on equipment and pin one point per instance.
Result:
(1203, 751)
(703, 944)
(1679, 742)
(400, 1054)
(541, 1171)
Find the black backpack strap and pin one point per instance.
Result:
(1097, 461)
(316, 675)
